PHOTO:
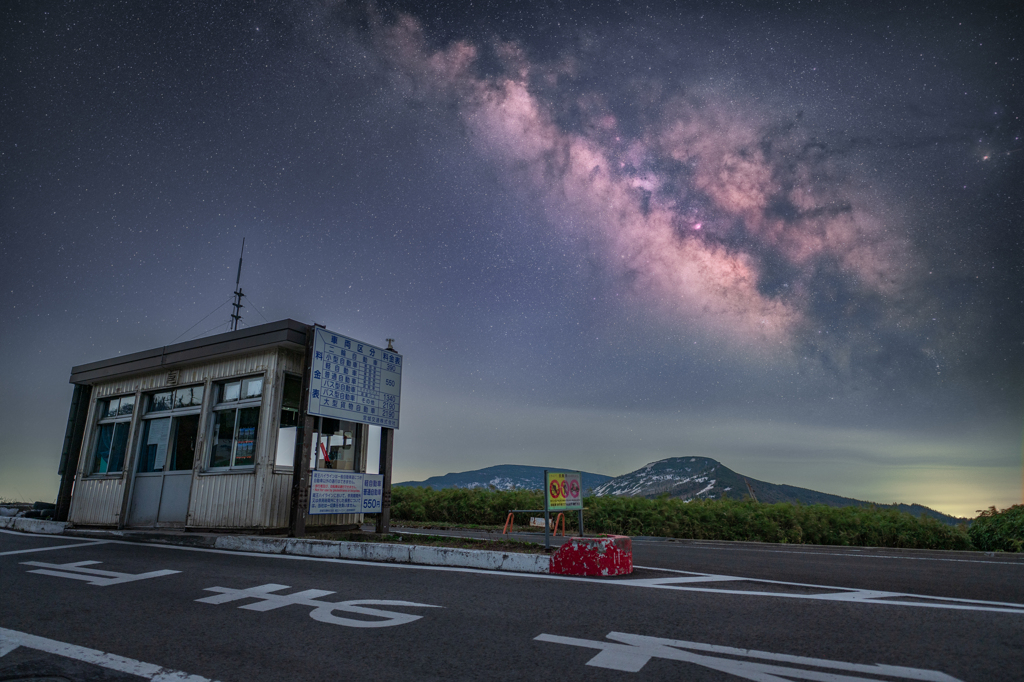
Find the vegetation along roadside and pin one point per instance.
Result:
(721, 519)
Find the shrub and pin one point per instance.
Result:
(999, 531)
(699, 519)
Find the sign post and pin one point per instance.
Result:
(387, 451)
(300, 463)
(563, 491)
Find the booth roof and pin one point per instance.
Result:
(286, 333)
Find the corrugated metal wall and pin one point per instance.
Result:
(222, 500)
(97, 501)
(279, 502)
(253, 363)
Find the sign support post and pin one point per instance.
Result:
(387, 451)
(547, 515)
(300, 464)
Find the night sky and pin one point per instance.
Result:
(786, 236)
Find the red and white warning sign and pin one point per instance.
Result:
(564, 490)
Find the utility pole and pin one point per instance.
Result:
(236, 316)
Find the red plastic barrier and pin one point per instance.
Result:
(610, 555)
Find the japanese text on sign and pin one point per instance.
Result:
(345, 492)
(563, 490)
(354, 381)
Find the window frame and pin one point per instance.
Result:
(102, 421)
(172, 413)
(219, 405)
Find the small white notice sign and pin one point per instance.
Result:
(336, 492)
(354, 381)
(345, 492)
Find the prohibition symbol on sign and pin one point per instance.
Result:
(563, 490)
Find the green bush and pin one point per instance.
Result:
(999, 531)
(699, 519)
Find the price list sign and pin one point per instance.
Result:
(354, 381)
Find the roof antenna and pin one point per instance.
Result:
(236, 316)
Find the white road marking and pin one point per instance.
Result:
(88, 543)
(634, 651)
(829, 592)
(928, 600)
(848, 553)
(77, 571)
(12, 639)
(322, 611)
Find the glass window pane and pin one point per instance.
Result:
(292, 392)
(341, 451)
(253, 388)
(159, 402)
(230, 391)
(223, 437)
(285, 446)
(108, 408)
(188, 397)
(245, 450)
(153, 448)
(127, 405)
(185, 436)
(104, 435)
(118, 446)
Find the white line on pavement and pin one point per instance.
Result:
(12, 639)
(826, 553)
(47, 549)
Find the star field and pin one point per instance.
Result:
(787, 236)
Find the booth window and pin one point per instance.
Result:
(290, 402)
(114, 421)
(170, 429)
(236, 419)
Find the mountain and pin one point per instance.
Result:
(702, 478)
(502, 477)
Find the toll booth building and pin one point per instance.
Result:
(198, 435)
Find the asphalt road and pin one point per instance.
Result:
(696, 611)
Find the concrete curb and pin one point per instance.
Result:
(389, 553)
(379, 552)
(37, 526)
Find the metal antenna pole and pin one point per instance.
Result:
(236, 316)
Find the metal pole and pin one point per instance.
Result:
(238, 292)
(319, 435)
(387, 451)
(73, 434)
(581, 503)
(300, 463)
(547, 515)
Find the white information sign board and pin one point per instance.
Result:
(345, 492)
(354, 381)
(336, 492)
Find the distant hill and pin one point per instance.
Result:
(703, 478)
(502, 477)
(688, 478)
